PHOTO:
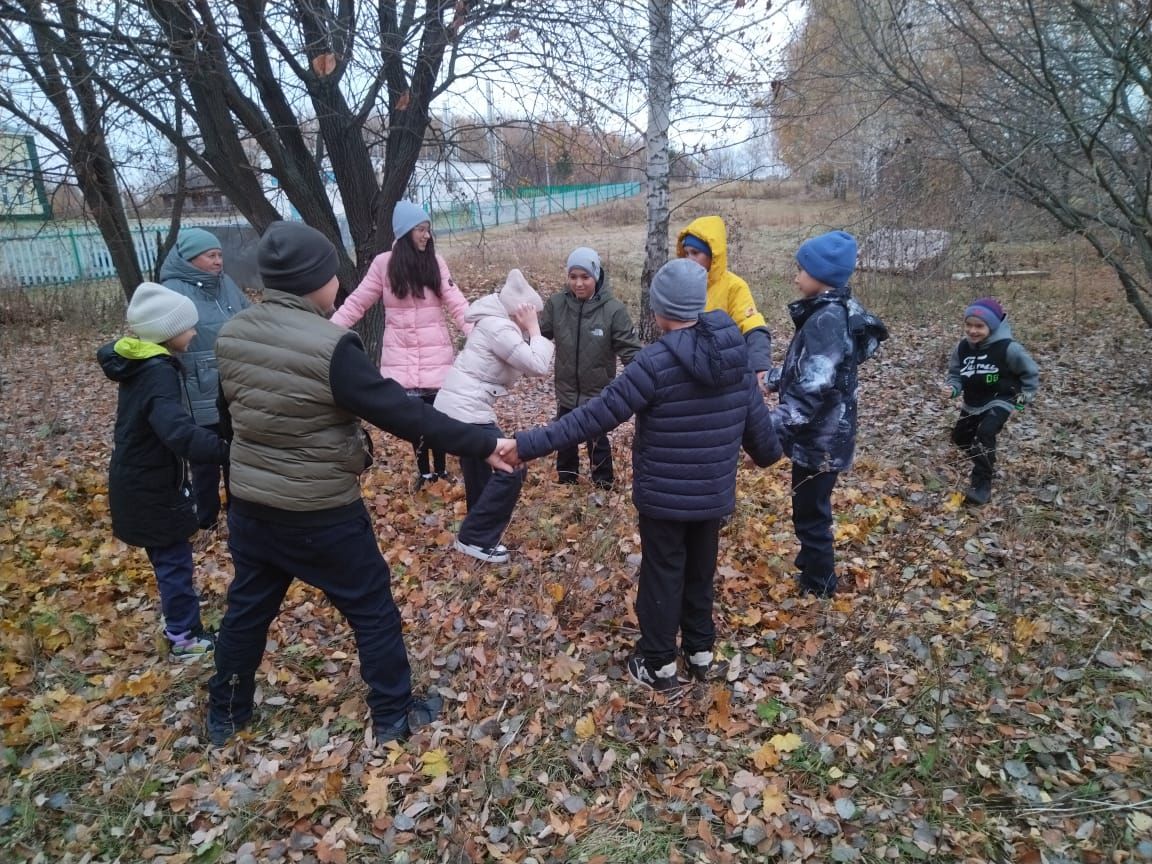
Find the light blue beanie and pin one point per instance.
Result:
(829, 258)
(191, 242)
(585, 259)
(407, 216)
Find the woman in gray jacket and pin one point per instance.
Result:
(195, 268)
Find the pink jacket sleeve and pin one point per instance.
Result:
(368, 292)
(453, 298)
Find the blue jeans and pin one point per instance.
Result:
(178, 599)
(345, 563)
(491, 496)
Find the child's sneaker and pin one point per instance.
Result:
(497, 554)
(190, 645)
(702, 666)
(642, 672)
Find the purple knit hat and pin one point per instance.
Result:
(988, 310)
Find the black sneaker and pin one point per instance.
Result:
(642, 672)
(221, 729)
(420, 713)
(703, 666)
(497, 554)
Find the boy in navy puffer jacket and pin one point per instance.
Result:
(816, 418)
(696, 404)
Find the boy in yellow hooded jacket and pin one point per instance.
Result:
(705, 241)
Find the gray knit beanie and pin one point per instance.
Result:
(585, 259)
(295, 258)
(679, 290)
(156, 313)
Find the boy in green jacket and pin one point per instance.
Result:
(590, 328)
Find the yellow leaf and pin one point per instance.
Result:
(766, 757)
(775, 804)
(555, 591)
(953, 501)
(585, 727)
(375, 796)
(434, 763)
(883, 646)
(835, 773)
(786, 743)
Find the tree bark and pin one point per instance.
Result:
(656, 149)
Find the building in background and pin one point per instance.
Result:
(22, 193)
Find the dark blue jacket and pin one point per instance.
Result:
(816, 419)
(149, 495)
(696, 403)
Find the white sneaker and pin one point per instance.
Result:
(497, 554)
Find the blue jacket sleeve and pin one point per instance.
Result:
(626, 394)
(760, 440)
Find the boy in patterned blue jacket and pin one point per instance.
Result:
(696, 404)
(816, 418)
(995, 374)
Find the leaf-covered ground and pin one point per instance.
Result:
(981, 692)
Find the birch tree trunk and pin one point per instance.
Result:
(656, 147)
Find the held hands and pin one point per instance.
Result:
(504, 457)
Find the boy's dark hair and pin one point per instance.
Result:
(410, 271)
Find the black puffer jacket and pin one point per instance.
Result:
(696, 404)
(816, 418)
(148, 490)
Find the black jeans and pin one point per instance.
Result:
(676, 587)
(438, 461)
(599, 459)
(976, 435)
(345, 563)
(491, 496)
(812, 521)
(206, 487)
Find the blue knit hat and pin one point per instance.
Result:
(988, 310)
(679, 290)
(829, 258)
(691, 241)
(191, 242)
(407, 216)
(583, 258)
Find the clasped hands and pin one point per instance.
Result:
(505, 457)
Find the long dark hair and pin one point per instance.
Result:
(410, 271)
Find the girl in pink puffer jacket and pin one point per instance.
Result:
(414, 285)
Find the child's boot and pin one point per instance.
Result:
(980, 490)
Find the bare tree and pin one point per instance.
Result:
(656, 147)
(45, 41)
(1051, 101)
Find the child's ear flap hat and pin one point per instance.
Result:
(517, 291)
(988, 310)
(829, 258)
(156, 313)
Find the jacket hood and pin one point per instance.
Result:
(486, 307)
(1000, 334)
(125, 357)
(175, 267)
(800, 309)
(712, 231)
(698, 348)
